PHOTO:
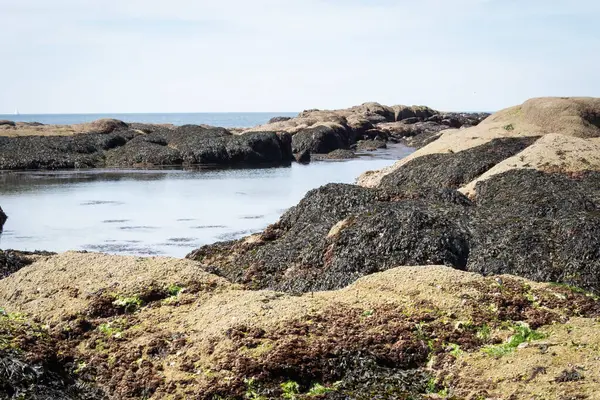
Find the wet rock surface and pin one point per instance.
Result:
(113, 143)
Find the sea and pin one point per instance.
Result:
(225, 119)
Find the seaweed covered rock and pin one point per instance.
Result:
(453, 170)
(33, 366)
(339, 233)
(144, 146)
(568, 116)
(58, 152)
(3, 218)
(175, 331)
(541, 226)
(12, 261)
(339, 154)
(320, 139)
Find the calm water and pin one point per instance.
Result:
(159, 212)
(227, 120)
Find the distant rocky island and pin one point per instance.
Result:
(468, 270)
(320, 134)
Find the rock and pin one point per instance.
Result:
(537, 225)
(453, 170)
(321, 139)
(297, 254)
(12, 261)
(303, 157)
(107, 125)
(405, 112)
(279, 119)
(5, 122)
(411, 120)
(185, 145)
(339, 154)
(3, 219)
(571, 117)
(370, 145)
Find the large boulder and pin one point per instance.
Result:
(340, 232)
(106, 125)
(5, 122)
(320, 139)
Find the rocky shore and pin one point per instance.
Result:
(113, 143)
(468, 270)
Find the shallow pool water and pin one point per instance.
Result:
(159, 212)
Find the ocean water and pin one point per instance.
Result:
(227, 120)
(160, 212)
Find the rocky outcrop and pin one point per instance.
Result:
(340, 129)
(535, 218)
(321, 139)
(113, 143)
(164, 328)
(569, 117)
(527, 223)
(279, 119)
(3, 218)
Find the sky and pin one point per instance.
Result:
(95, 56)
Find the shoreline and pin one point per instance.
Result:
(469, 269)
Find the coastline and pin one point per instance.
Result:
(469, 269)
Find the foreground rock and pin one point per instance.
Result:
(162, 328)
(111, 143)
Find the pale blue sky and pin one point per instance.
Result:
(76, 56)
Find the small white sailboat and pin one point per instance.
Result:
(17, 111)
